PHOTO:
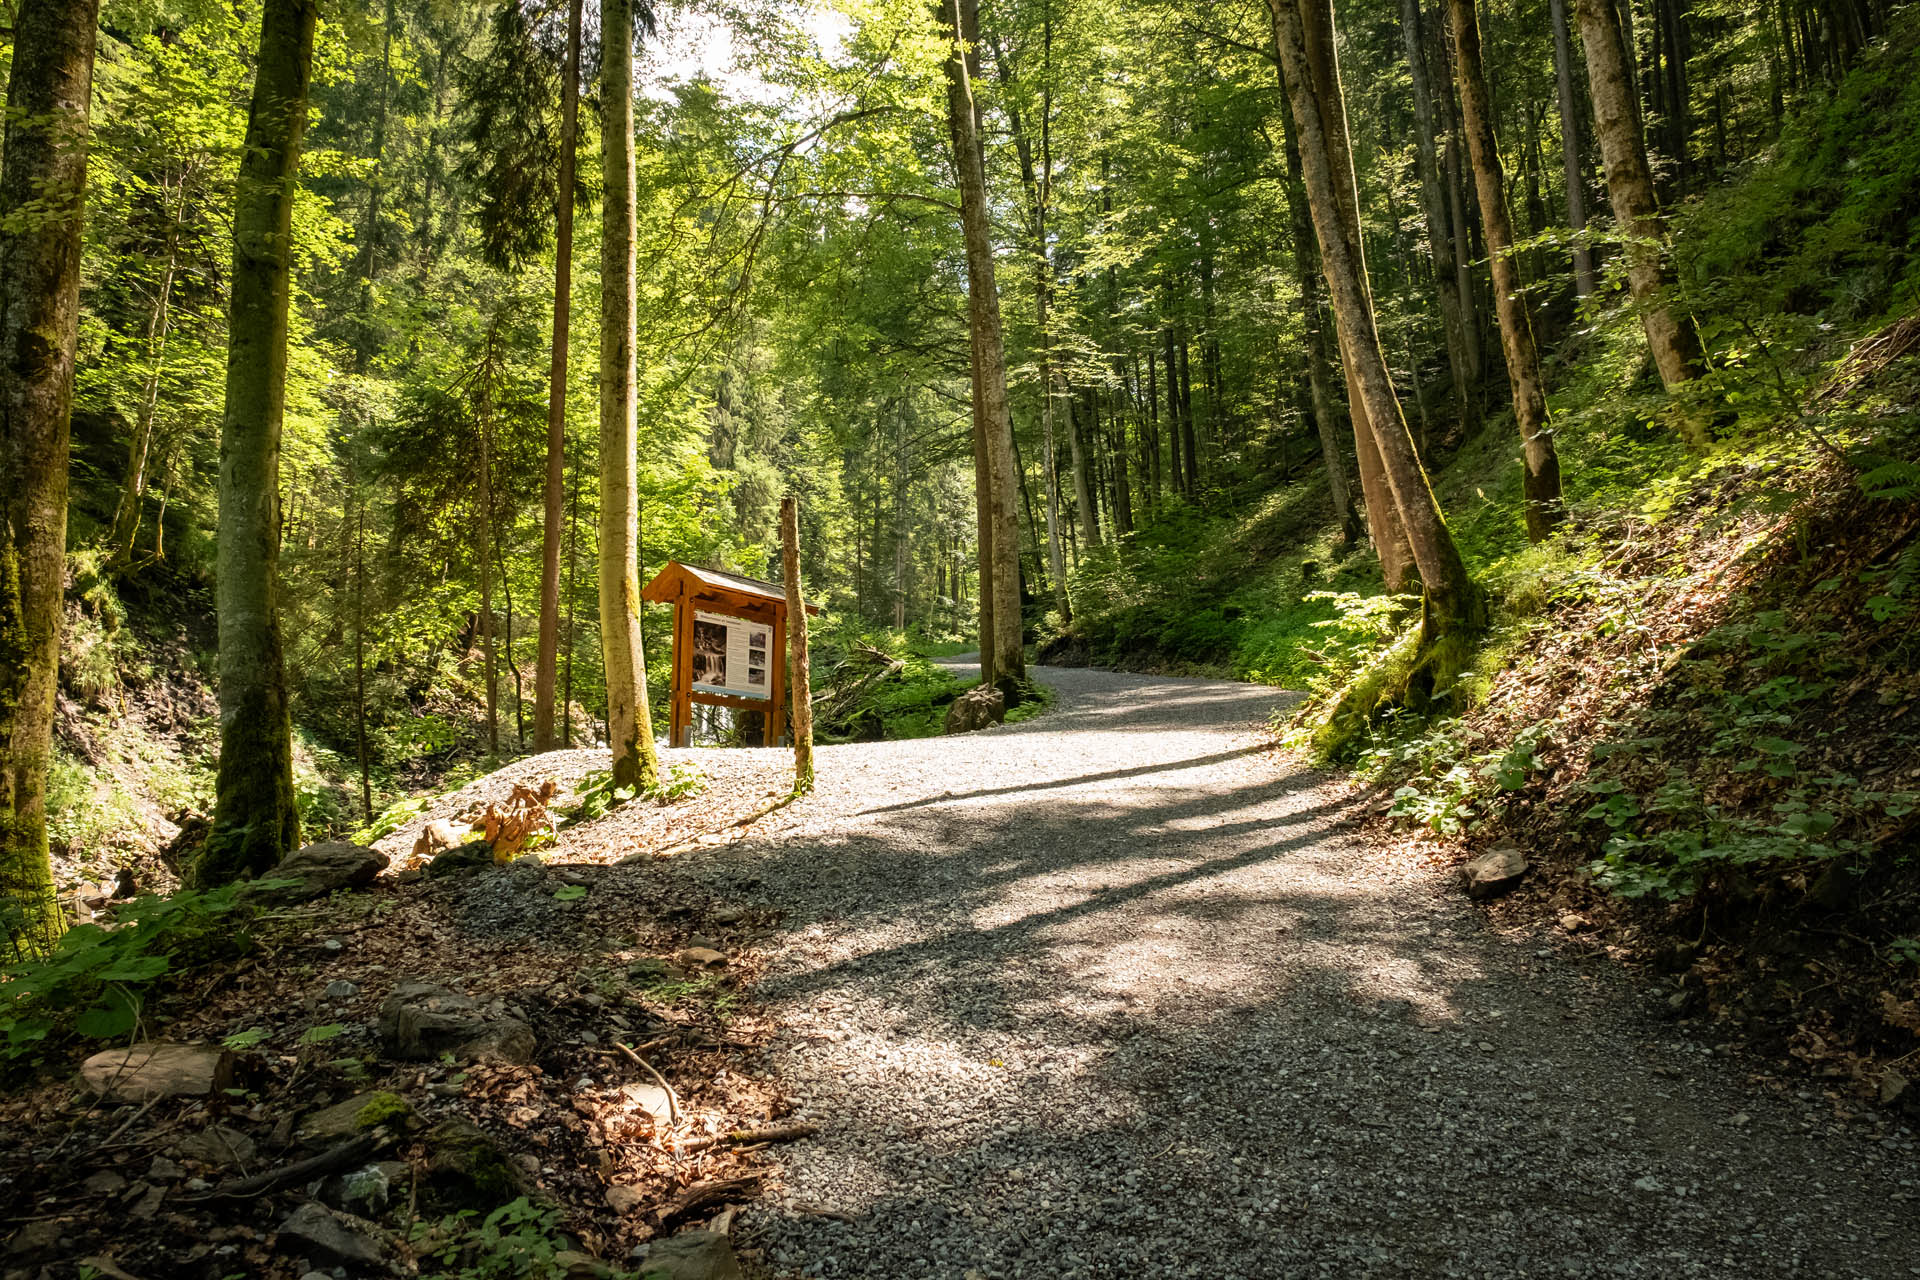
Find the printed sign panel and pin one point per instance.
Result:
(730, 656)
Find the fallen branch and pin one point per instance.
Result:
(701, 1194)
(351, 1152)
(779, 1133)
(673, 1099)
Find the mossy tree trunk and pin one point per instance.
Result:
(1671, 337)
(1454, 609)
(256, 820)
(1541, 481)
(1573, 165)
(42, 199)
(636, 762)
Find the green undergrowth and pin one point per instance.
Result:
(101, 982)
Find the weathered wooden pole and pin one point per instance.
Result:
(799, 684)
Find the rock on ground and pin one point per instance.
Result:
(692, 1255)
(422, 1020)
(158, 1070)
(320, 869)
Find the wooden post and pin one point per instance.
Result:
(796, 620)
(680, 714)
(777, 681)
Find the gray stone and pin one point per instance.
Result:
(475, 855)
(216, 1145)
(105, 1183)
(692, 1255)
(977, 708)
(623, 1199)
(341, 989)
(366, 1191)
(164, 1170)
(320, 869)
(357, 1114)
(315, 1233)
(469, 1170)
(701, 958)
(422, 1020)
(150, 1071)
(36, 1237)
(1494, 872)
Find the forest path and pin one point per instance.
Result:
(1112, 994)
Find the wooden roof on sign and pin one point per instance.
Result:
(716, 585)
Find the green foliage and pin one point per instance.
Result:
(392, 818)
(598, 796)
(519, 1240)
(100, 979)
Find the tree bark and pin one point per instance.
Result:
(554, 495)
(1320, 395)
(256, 820)
(1585, 280)
(636, 762)
(44, 163)
(962, 20)
(126, 516)
(1312, 27)
(799, 679)
(1671, 338)
(1453, 603)
(1433, 208)
(1038, 181)
(1541, 482)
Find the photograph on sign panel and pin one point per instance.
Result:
(709, 652)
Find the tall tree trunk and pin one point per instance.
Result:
(369, 257)
(1453, 604)
(1671, 337)
(1312, 27)
(483, 536)
(573, 601)
(983, 321)
(1176, 449)
(636, 762)
(1433, 208)
(1460, 230)
(1320, 404)
(256, 820)
(360, 652)
(126, 516)
(553, 495)
(1083, 488)
(43, 165)
(1541, 482)
(1585, 280)
(1038, 181)
(1189, 445)
(799, 679)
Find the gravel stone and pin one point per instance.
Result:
(1116, 993)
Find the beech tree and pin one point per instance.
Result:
(1541, 482)
(1002, 644)
(547, 665)
(1671, 337)
(256, 818)
(43, 182)
(1454, 608)
(636, 761)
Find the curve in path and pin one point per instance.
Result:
(1111, 994)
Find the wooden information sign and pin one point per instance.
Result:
(729, 646)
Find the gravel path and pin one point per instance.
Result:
(1108, 994)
